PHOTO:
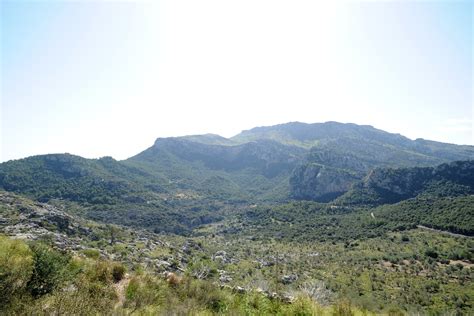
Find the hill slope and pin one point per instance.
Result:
(266, 164)
(340, 154)
(317, 134)
(74, 178)
(388, 185)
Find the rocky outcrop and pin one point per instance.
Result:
(389, 185)
(320, 183)
(22, 218)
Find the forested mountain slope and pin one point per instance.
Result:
(303, 161)
(391, 185)
(239, 238)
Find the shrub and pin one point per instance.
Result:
(101, 272)
(302, 306)
(431, 253)
(343, 309)
(91, 253)
(49, 268)
(118, 272)
(143, 291)
(84, 298)
(16, 267)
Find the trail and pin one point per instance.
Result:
(120, 290)
(443, 231)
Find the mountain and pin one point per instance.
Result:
(105, 190)
(390, 185)
(295, 160)
(206, 224)
(65, 176)
(303, 161)
(333, 133)
(340, 154)
(257, 169)
(309, 135)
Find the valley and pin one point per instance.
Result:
(308, 219)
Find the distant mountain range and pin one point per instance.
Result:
(320, 162)
(304, 161)
(285, 215)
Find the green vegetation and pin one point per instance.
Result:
(395, 272)
(92, 287)
(307, 221)
(205, 225)
(256, 261)
(382, 186)
(452, 214)
(106, 190)
(16, 268)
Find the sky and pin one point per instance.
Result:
(106, 78)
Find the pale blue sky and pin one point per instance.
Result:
(99, 78)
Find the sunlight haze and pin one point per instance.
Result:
(98, 78)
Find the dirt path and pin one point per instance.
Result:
(443, 231)
(120, 288)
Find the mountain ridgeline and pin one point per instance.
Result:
(293, 219)
(321, 162)
(303, 161)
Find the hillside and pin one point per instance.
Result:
(145, 236)
(389, 185)
(268, 164)
(284, 161)
(65, 176)
(345, 153)
(318, 134)
(290, 259)
(244, 171)
(106, 190)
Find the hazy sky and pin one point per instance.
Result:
(99, 78)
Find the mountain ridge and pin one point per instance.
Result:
(256, 219)
(264, 163)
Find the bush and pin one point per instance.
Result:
(101, 272)
(91, 253)
(49, 269)
(143, 291)
(431, 253)
(118, 272)
(84, 298)
(16, 268)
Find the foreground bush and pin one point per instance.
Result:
(38, 280)
(16, 268)
(50, 269)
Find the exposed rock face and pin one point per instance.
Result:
(388, 185)
(33, 221)
(221, 256)
(408, 182)
(320, 183)
(25, 219)
(332, 155)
